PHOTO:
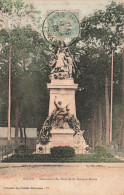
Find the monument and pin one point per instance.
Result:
(61, 128)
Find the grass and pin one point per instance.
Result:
(99, 155)
(79, 158)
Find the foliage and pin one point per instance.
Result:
(78, 158)
(101, 152)
(105, 26)
(5, 150)
(28, 80)
(92, 51)
(18, 13)
(74, 124)
(21, 150)
(101, 33)
(45, 133)
(62, 152)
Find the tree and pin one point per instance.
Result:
(16, 20)
(121, 129)
(100, 34)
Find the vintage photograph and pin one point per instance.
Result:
(61, 97)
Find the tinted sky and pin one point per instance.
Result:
(85, 6)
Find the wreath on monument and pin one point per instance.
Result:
(45, 133)
(74, 124)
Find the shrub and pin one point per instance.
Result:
(21, 150)
(100, 149)
(101, 152)
(62, 152)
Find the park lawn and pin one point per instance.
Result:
(98, 155)
(79, 158)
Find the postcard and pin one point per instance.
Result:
(61, 97)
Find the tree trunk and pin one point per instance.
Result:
(93, 130)
(99, 124)
(121, 132)
(104, 131)
(23, 58)
(9, 98)
(21, 132)
(16, 120)
(110, 138)
(92, 133)
(107, 110)
(25, 134)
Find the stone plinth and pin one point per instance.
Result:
(64, 137)
(60, 137)
(64, 90)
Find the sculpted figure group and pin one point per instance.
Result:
(60, 114)
(62, 64)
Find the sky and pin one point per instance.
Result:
(86, 7)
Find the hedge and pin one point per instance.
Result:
(62, 152)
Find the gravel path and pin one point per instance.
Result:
(62, 179)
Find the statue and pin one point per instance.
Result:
(60, 114)
(58, 118)
(62, 64)
(70, 62)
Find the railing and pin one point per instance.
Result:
(115, 150)
(8, 154)
(9, 150)
(5, 151)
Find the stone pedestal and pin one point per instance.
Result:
(64, 90)
(60, 137)
(64, 137)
